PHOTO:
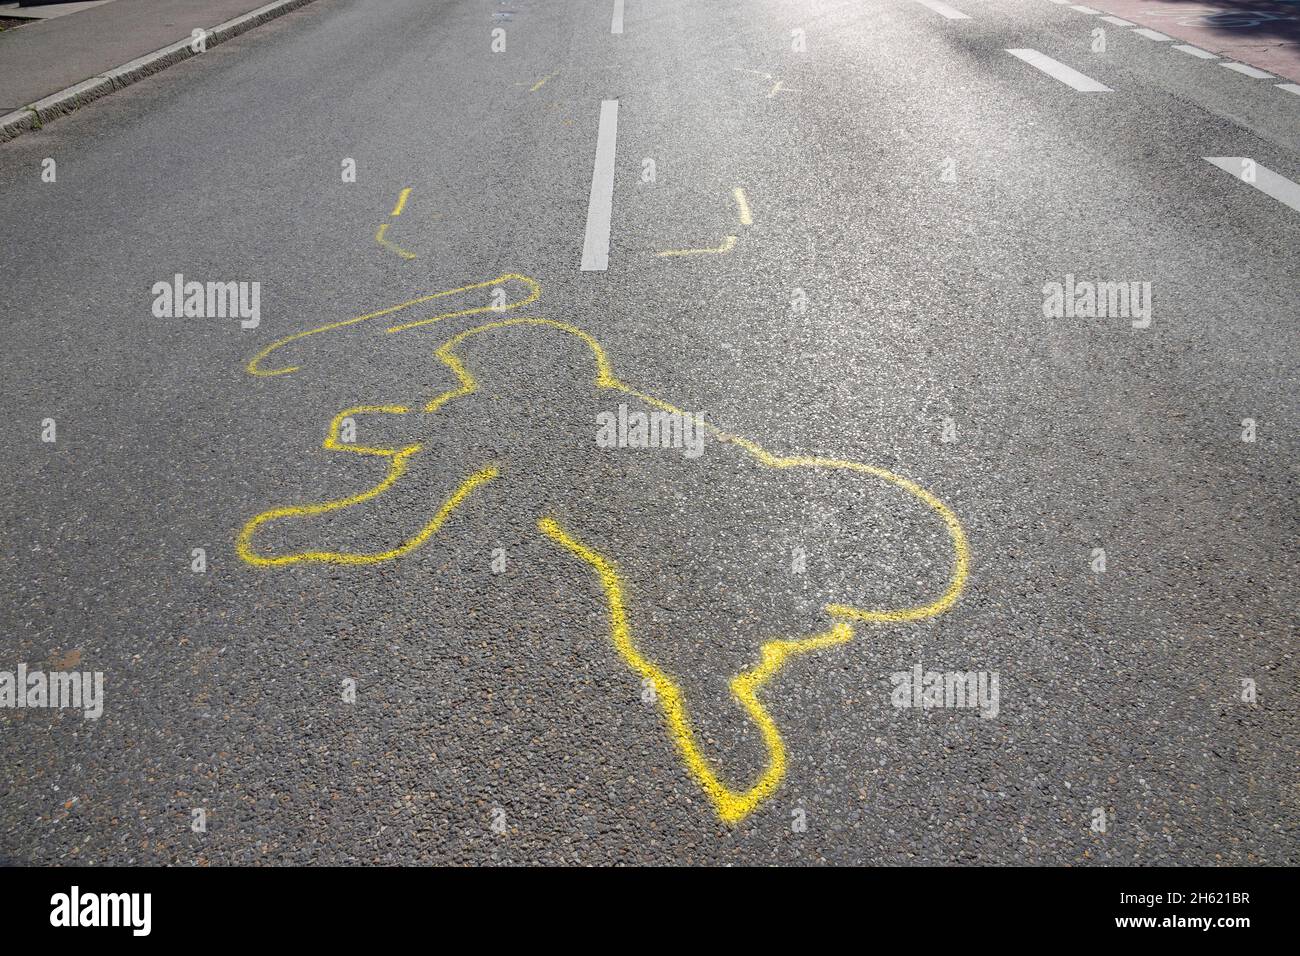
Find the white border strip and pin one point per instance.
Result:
(1196, 51)
(1250, 71)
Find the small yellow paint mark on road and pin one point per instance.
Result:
(728, 244)
(401, 202)
(746, 217)
(777, 87)
(540, 83)
(379, 238)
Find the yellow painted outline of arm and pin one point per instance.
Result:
(254, 366)
(742, 205)
(334, 443)
(396, 468)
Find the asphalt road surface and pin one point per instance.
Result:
(482, 628)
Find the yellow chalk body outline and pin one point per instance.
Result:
(730, 805)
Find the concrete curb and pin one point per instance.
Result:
(65, 101)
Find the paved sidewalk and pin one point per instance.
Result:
(46, 11)
(41, 58)
(1262, 34)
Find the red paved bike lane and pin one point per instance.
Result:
(1262, 34)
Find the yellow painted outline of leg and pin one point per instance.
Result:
(731, 806)
(728, 243)
(254, 366)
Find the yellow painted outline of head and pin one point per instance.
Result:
(731, 805)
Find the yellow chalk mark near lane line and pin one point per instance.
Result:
(730, 805)
(379, 238)
(401, 202)
(542, 82)
(254, 366)
(746, 218)
(728, 243)
(380, 232)
(777, 87)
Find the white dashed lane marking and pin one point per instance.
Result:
(616, 25)
(1117, 21)
(1290, 88)
(943, 9)
(1058, 70)
(1152, 35)
(1265, 180)
(595, 245)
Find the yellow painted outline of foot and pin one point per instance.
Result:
(731, 805)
